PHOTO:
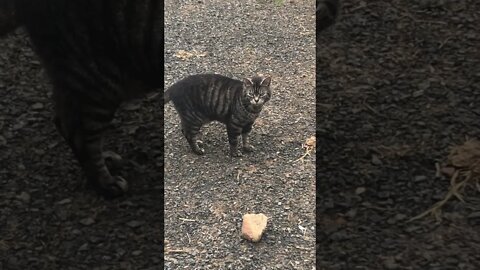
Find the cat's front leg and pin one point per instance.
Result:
(247, 147)
(83, 132)
(234, 132)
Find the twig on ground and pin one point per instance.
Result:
(465, 160)
(186, 250)
(309, 147)
(435, 210)
(186, 219)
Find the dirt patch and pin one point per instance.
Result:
(398, 86)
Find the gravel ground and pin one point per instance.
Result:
(205, 197)
(397, 86)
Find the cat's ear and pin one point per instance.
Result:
(247, 82)
(266, 81)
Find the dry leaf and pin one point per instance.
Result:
(309, 146)
(251, 169)
(311, 142)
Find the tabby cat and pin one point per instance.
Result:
(200, 99)
(98, 54)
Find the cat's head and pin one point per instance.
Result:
(256, 92)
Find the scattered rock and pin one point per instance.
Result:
(65, 201)
(83, 247)
(37, 106)
(424, 85)
(24, 197)
(417, 93)
(136, 252)
(95, 239)
(135, 223)
(87, 221)
(253, 226)
(399, 217)
(419, 178)
(3, 141)
(360, 190)
(376, 160)
(390, 264)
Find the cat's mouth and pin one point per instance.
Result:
(256, 108)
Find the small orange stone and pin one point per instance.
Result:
(253, 226)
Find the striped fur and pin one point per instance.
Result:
(98, 54)
(200, 99)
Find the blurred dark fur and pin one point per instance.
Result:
(98, 54)
(8, 18)
(326, 13)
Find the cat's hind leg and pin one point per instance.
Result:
(82, 125)
(191, 131)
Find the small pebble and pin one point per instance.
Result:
(83, 247)
(360, 190)
(376, 160)
(87, 221)
(135, 224)
(65, 201)
(24, 197)
(37, 106)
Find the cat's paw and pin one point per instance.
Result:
(236, 153)
(113, 160)
(248, 148)
(111, 156)
(199, 151)
(112, 187)
(197, 147)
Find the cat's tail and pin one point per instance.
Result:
(8, 18)
(326, 13)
